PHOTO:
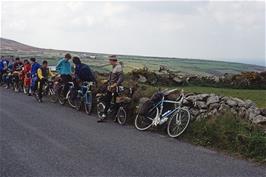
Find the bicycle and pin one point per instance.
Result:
(48, 90)
(16, 82)
(117, 108)
(84, 97)
(177, 123)
(62, 99)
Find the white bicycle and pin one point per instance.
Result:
(178, 118)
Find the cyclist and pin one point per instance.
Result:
(63, 67)
(26, 76)
(2, 60)
(4, 69)
(116, 78)
(34, 67)
(43, 73)
(8, 72)
(83, 71)
(17, 68)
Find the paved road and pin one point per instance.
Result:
(53, 140)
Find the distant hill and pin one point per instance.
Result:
(10, 45)
(98, 61)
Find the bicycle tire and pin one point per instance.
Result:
(88, 103)
(52, 96)
(61, 99)
(78, 103)
(70, 99)
(141, 119)
(100, 109)
(173, 122)
(121, 116)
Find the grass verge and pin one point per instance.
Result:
(230, 134)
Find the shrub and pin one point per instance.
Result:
(229, 133)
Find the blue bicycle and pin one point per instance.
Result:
(177, 117)
(84, 97)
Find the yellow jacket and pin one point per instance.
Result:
(44, 73)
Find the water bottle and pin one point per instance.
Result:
(164, 119)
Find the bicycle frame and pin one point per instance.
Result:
(162, 118)
(87, 86)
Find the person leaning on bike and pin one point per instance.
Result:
(82, 71)
(63, 68)
(43, 74)
(115, 79)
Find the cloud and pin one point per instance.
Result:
(111, 9)
(212, 30)
(238, 14)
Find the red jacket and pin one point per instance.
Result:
(26, 74)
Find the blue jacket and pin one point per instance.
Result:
(63, 67)
(84, 73)
(1, 65)
(34, 67)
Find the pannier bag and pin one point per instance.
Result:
(144, 109)
(149, 104)
(157, 97)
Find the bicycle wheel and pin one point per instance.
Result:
(121, 116)
(88, 103)
(78, 102)
(143, 122)
(71, 96)
(178, 123)
(100, 109)
(60, 96)
(52, 96)
(35, 95)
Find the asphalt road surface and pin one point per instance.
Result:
(52, 140)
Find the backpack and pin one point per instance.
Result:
(149, 104)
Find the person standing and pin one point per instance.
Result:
(63, 68)
(116, 78)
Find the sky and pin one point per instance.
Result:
(229, 31)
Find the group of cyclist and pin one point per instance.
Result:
(31, 76)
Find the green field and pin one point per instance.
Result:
(190, 66)
(258, 96)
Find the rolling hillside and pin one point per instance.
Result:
(192, 66)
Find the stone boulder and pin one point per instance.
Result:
(231, 103)
(203, 97)
(200, 104)
(142, 79)
(252, 113)
(239, 102)
(177, 80)
(223, 107)
(263, 111)
(249, 103)
(214, 106)
(213, 99)
(259, 119)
